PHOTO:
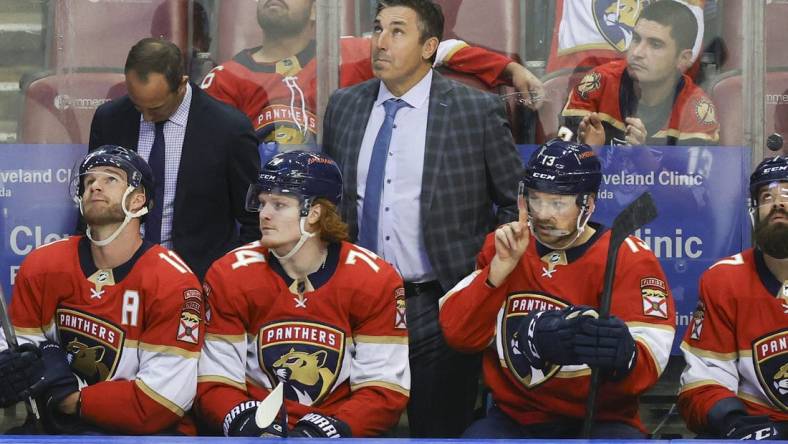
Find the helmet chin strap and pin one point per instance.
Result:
(580, 226)
(304, 234)
(129, 215)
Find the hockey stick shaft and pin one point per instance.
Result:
(10, 338)
(638, 213)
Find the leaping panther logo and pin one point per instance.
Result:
(781, 380)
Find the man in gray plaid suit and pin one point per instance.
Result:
(429, 168)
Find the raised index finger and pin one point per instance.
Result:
(522, 213)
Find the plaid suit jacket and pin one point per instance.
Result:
(471, 168)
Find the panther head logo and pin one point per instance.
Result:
(87, 361)
(781, 380)
(305, 368)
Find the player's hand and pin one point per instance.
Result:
(20, 369)
(315, 425)
(240, 421)
(635, 132)
(511, 240)
(607, 344)
(547, 336)
(758, 428)
(590, 131)
(528, 85)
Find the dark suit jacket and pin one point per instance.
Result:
(218, 162)
(470, 163)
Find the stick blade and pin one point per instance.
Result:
(269, 407)
(638, 213)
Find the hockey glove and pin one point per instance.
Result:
(20, 369)
(607, 344)
(315, 425)
(240, 421)
(758, 428)
(546, 336)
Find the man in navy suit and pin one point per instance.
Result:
(203, 152)
(429, 168)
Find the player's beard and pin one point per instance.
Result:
(96, 216)
(772, 238)
(282, 25)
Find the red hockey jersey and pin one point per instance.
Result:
(339, 343)
(281, 98)
(737, 342)
(475, 317)
(134, 332)
(606, 88)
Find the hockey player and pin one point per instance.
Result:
(530, 307)
(275, 83)
(735, 384)
(305, 309)
(117, 321)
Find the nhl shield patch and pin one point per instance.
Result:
(306, 355)
(93, 345)
(519, 305)
(655, 297)
(770, 357)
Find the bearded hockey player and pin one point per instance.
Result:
(735, 385)
(305, 309)
(530, 306)
(114, 321)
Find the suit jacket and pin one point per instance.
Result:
(218, 162)
(470, 163)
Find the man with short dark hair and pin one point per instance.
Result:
(202, 152)
(646, 99)
(429, 167)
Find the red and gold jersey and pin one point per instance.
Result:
(737, 341)
(475, 317)
(281, 98)
(337, 340)
(608, 90)
(133, 333)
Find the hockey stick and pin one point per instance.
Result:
(10, 338)
(638, 213)
(269, 409)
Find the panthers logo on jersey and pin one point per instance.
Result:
(770, 357)
(286, 125)
(93, 345)
(590, 83)
(518, 305)
(615, 20)
(306, 355)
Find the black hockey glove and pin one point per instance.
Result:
(58, 379)
(607, 344)
(546, 336)
(240, 422)
(20, 370)
(758, 428)
(315, 425)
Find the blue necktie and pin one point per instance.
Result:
(156, 162)
(370, 211)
